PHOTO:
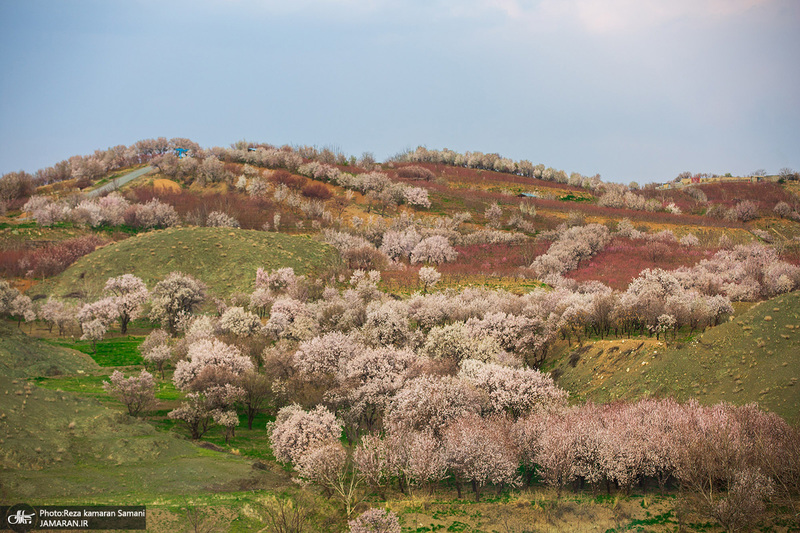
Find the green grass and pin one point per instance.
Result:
(21, 225)
(121, 351)
(225, 259)
(85, 385)
(753, 358)
(572, 198)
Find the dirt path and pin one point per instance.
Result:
(118, 182)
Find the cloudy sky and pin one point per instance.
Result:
(631, 89)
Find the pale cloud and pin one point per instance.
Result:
(604, 16)
(308, 7)
(596, 16)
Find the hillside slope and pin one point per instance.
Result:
(225, 259)
(753, 358)
(22, 356)
(58, 445)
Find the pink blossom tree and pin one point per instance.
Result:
(22, 308)
(195, 413)
(371, 459)
(218, 219)
(295, 431)
(479, 450)
(367, 382)
(458, 342)
(209, 353)
(555, 451)
(745, 211)
(137, 393)
(416, 458)
(494, 214)
(398, 244)
(430, 403)
(329, 466)
(416, 196)
(104, 310)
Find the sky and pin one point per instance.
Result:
(635, 90)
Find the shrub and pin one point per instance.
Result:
(218, 219)
(782, 209)
(375, 521)
(317, 190)
(365, 258)
(282, 177)
(416, 196)
(415, 173)
(48, 260)
(744, 211)
(690, 240)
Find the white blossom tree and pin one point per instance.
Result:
(435, 249)
(239, 322)
(129, 293)
(429, 277)
(175, 296)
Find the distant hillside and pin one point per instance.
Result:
(225, 259)
(753, 358)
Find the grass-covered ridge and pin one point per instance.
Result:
(225, 259)
(753, 358)
(22, 356)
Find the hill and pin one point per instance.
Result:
(753, 358)
(225, 259)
